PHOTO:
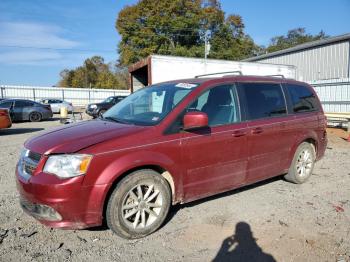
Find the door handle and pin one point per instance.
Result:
(238, 133)
(257, 130)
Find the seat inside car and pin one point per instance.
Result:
(219, 106)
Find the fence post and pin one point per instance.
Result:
(2, 92)
(34, 94)
(89, 97)
(62, 94)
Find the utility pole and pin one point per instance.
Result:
(206, 45)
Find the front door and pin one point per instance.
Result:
(215, 157)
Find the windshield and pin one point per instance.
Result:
(108, 100)
(149, 105)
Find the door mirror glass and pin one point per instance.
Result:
(195, 120)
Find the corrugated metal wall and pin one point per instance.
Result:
(77, 96)
(324, 62)
(334, 94)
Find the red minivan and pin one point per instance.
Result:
(171, 143)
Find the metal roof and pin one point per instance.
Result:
(317, 43)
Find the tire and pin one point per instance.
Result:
(101, 112)
(135, 209)
(35, 117)
(303, 164)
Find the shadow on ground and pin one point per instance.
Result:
(242, 246)
(18, 131)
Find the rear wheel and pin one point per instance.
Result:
(302, 164)
(35, 117)
(139, 204)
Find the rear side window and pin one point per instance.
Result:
(23, 103)
(263, 100)
(303, 99)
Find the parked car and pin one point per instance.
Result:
(23, 110)
(171, 143)
(5, 119)
(98, 109)
(57, 104)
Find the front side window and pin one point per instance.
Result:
(149, 105)
(219, 103)
(302, 98)
(263, 100)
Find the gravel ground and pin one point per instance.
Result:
(273, 220)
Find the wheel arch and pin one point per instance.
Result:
(158, 169)
(309, 139)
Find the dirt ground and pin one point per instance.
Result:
(271, 221)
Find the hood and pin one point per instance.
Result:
(74, 137)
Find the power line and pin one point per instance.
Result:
(87, 50)
(58, 49)
(177, 28)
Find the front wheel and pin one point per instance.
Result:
(102, 111)
(302, 164)
(139, 204)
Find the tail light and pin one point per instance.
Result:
(4, 113)
(48, 107)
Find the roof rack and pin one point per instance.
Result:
(281, 76)
(220, 73)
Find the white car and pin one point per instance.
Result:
(56, 104)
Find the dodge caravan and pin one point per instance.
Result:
(171, 143)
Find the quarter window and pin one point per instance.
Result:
(302, 98)
(263, 100)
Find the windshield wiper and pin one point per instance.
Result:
(115, 119)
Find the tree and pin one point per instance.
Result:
(95, 73)
(294, 37)
(177, 28)
(230, 42)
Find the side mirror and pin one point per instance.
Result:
(194, 120)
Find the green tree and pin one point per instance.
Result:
(177, 28)
(294, 37)
(230, 42)
(95, 73)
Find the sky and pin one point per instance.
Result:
(40, 38)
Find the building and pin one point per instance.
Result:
(324, 59)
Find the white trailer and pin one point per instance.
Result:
(156, 68)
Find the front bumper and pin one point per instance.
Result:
(61, 203)
(92, 112)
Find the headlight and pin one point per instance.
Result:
(24, 153)
(65, 166)
(93, 106)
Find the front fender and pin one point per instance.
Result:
(119, 164)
